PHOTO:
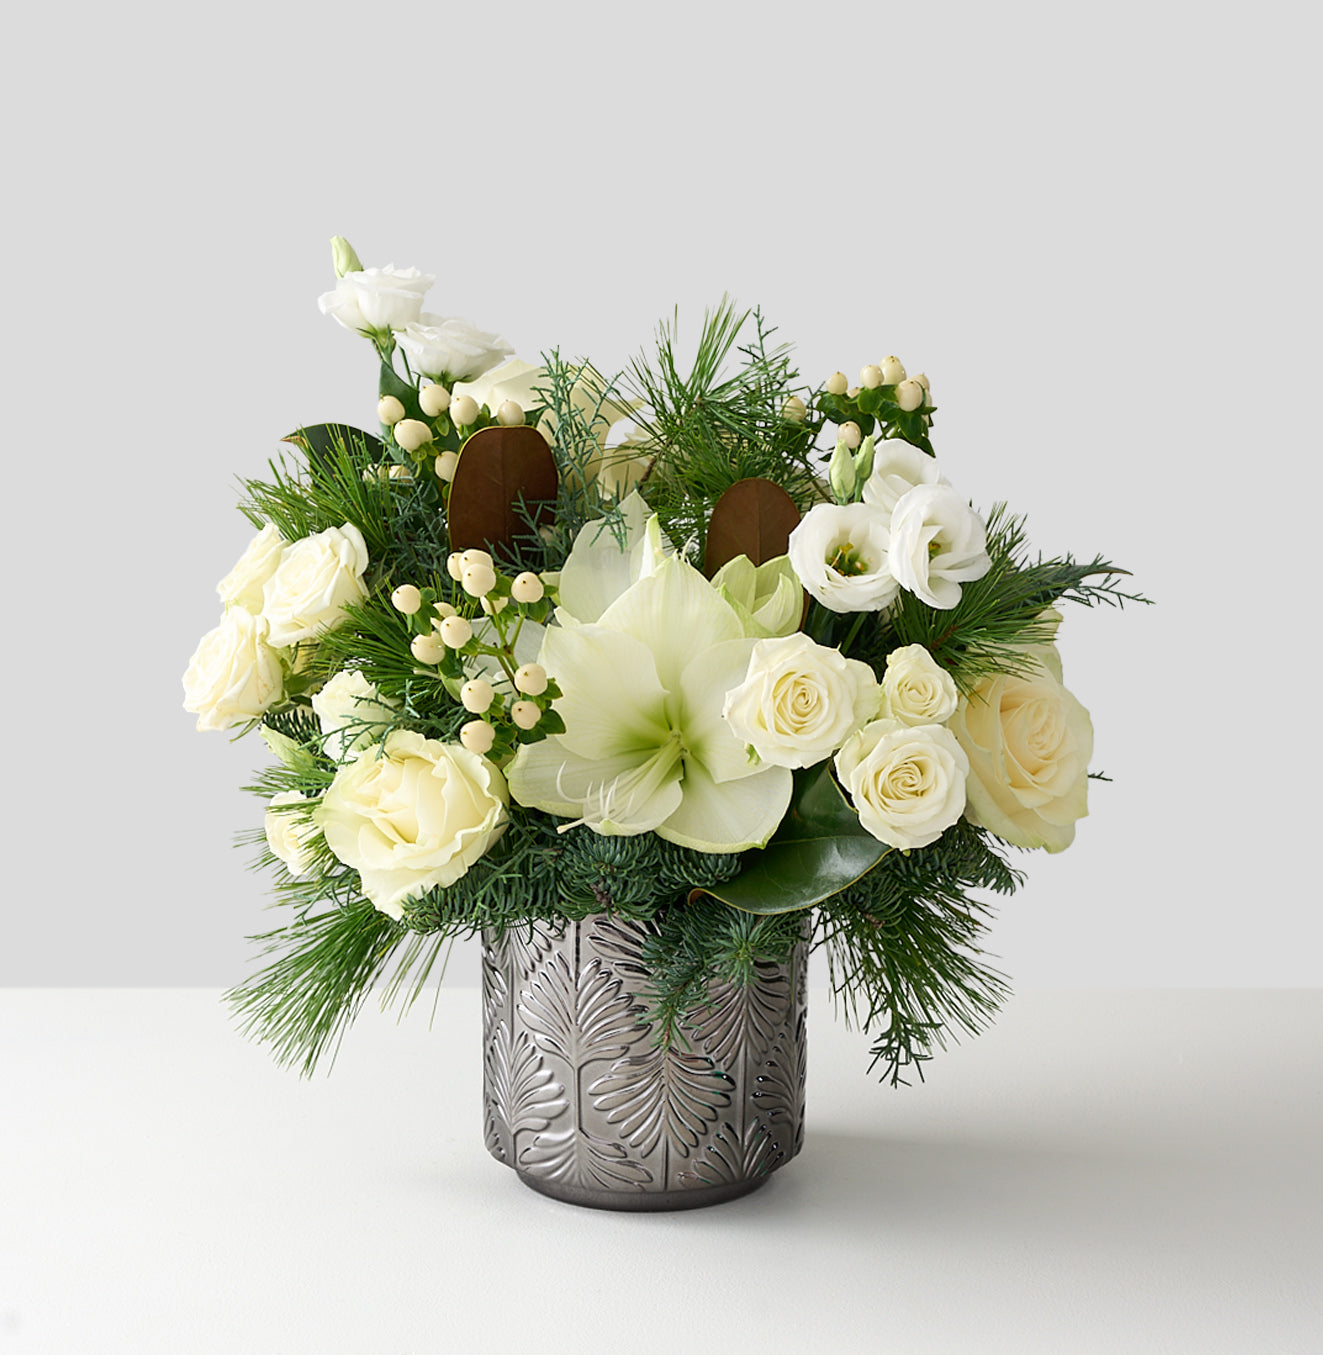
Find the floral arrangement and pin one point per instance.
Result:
(712, 650)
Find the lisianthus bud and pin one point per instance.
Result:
(389, 410)
(909, 395)
(837, 383)
(464, 411)
(795, 410)
(343, 258)
(455, 632)
(841, 472)
(893, 371)
(863, 460)
(455, 565)
(445, 464)
(434, 400)
(478, 580)
(849, 434)
(412, 434)
(509, 414)
(427, 648)
(531, 679)
(476, 695)
(477, 736)
(870, 377)
(527, 587)
(407, 599)
(525, 714)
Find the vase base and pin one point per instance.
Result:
(643, 1201)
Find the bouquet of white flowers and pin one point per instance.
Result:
(548, 644)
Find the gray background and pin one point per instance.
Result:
(1093, 228)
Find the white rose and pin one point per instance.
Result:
(916, 689)
(351, 712)
(377, 299)
(234, 675)
(906, 781)
(938, 542)
(315, 579)
(513, 380)
(289, 833)
(1029, 743)
(898, 467)
(451, 348)
(242, 586)
(840, 553)
(415, 815)
(800, 701)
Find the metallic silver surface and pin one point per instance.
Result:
(583, 1103)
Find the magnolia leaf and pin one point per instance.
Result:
(819, 849)
(323, 440)
(753, 517)
(504, 488)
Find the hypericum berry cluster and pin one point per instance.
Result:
(441, 412)
(884, 392)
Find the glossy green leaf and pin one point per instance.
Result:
(322, 440)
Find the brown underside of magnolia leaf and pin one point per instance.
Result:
(504, 488)
(753, 517)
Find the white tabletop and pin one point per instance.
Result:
(1101, 1172)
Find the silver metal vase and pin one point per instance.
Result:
(586, 1105)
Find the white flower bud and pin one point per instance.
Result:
(837, 384)
(531, 679)
(525, 714)
(455, 565)
(464, 411)
(795, 410)
(893, 371)
(389, 410)
(909, 395)
(407, 599)
(476, 695)
(427, 648)
(477, 736)
(434, 400)
(478, 580)
(412, 434)
(509, 414)
(455, 632)
(527, 587)
(849, 434)
(870, 377)
(445, 466)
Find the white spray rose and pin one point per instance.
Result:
(377, 299)
(800, 701)
(938, 542)
(1029, 743)
(906, 781)
(898, 467)
(351, 712)
(290, 833)
(234, 675)
(841, 554)
(916, 689)
(451, 348)
(415, 815)
(242, 586)
(316, 577)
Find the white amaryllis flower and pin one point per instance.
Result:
(916, 689)
(377, 299)
(451, 349)
(938, 542)
(841, 554)
(645, 747)
(607, 558)
(906, 781)
(242, 586)
(234, 674)
(352, 713)
(800, 701)
(898, 467)
(317, 576)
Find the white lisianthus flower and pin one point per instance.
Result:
(938, 542)
(234, 674)
(841, 554)
(645, 747)
(242, 586)
(1029, 742)
(377, 299)
(916, 689)
(800, 701)
(309, 589)
(289, 833)
(768, 598)
(451, 348)
(898, 467)
(352, 713)
(415, 814)
(906, 781)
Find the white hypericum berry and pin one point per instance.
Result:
(870, 377)
(407, 599)
(509, 414)
(837, 383)
(445, 466)
(478, 580)
(455, 632)
(531, 679)
(476, 695)
(464, 411)
(525, 714)
(412, 434)
(527, 587)
(468, 558)
(434, 400)
(909, 395)
(849, 434)
(427, 648)
(442, 610)
(455, 565)
(389, 410)
(893, 370)
(477, 736)
(794, 409)
(492, 605)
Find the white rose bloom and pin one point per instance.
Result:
(418, 814)
(1029, 743)
(351, 712)
(316, 577)
(377, 299)
(916, 689)
(242, 586)
(938, 542)
(513, 380)
(800, 701)
(841, 554)
(906, 781)
(234, 675)
(898, 467)
(451, 348)
(289, 834)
